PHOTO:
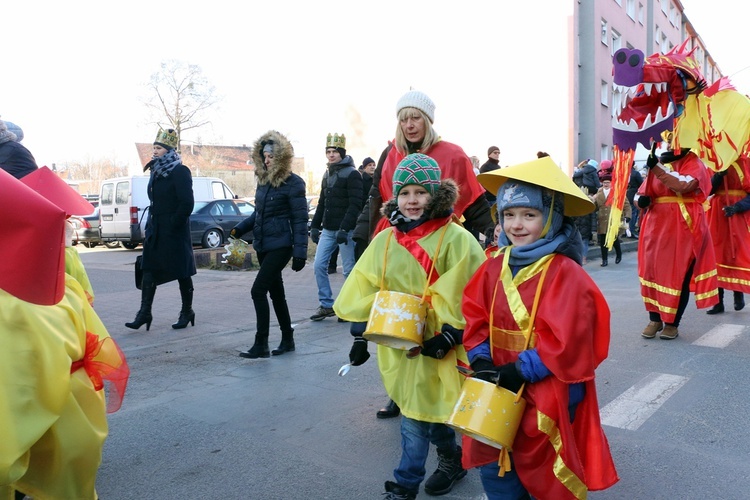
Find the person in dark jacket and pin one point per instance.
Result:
(332, 225)
(14, 157)
(586, 174)
(492, 163)
(279, 226)
(167, 248)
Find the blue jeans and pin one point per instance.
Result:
(508, 487)
(323, 253)
(416, 437)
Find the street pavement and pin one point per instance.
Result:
(199, 422)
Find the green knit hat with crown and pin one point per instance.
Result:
(417, 169)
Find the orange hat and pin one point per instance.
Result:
(45, 182)
(35, 255)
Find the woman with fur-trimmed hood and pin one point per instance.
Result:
(421, 252)
(279, 228)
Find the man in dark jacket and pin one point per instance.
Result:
(636, 179)
(492, 163)
(14, 157)
(338, 207)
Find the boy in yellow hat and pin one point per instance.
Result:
(526, 292)
(421, 253)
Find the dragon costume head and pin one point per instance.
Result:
(653, 93)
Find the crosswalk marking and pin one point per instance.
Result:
(720, 336)
(633, 407)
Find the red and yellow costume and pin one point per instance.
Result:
(553, 458)
(674, 233)
(731, 235)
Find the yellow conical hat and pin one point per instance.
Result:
(542, 172)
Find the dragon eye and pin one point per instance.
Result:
(634, 60)
(620, 57)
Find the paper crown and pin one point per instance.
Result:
(36, 253)
(167, 138)
(336, 141)
(45, 182)
(542, 172)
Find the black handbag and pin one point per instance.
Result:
(139, 271)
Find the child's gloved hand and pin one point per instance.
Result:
(509, 377)
(358, 353)
(439, 345)
(484, 369)
(652, 159)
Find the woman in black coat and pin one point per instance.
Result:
(167, 249)
(279, 226)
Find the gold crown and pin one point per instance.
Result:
(336, 141)
(167, 137)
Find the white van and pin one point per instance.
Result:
(123, 203)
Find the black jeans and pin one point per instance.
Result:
(269, 281)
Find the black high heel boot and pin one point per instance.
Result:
(719, 307)
(187, 315)
(143, 317)
(739, 301)
(604, 256)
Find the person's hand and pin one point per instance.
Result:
(315, 235)
(484, 369)
(652, 160)
(298, 263)
(342, 237)
(233, 233)
(644, 201)
(509, 378)
(627, 219)
(439, 345)
(731, 210)
(358, 353)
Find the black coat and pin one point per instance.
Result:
(167, 249)
(280, 217)
(16, 159)
(340, 197)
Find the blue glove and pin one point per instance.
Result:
(342, 237)
(315, 235)
(731, 210)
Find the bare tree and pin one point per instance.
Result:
(181, 95)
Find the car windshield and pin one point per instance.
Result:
(198, 205)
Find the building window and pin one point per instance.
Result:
(672, 15)
(605, 93)
(605, 152)
(640, 13)
(664, 6)
(630, 9)
(616, 98)
(619, 2)
(616, 41)
(664, 45)
(605, 29)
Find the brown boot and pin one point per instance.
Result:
(670, 332)
(650, 331)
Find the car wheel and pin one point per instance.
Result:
(89, 244)
(129, 246)
(112, 244)
(212, 239)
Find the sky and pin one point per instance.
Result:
(75, 74)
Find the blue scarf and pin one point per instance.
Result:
(163, 166)
(565, 240)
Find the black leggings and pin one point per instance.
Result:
(269, 281)
(684, 297)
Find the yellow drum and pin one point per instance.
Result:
(487, 413)
(235, 252)
(397, 320)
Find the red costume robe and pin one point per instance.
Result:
(553, 458)
(673, 233)
(731, 235)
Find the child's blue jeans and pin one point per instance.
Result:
(416, 437)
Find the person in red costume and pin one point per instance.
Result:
(525, 291)
(674, 228)
(729, 223)
(415, 112)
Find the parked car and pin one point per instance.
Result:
(86, 229)
(211, 221)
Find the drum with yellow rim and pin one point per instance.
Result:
(397, 320)
(488, 413)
